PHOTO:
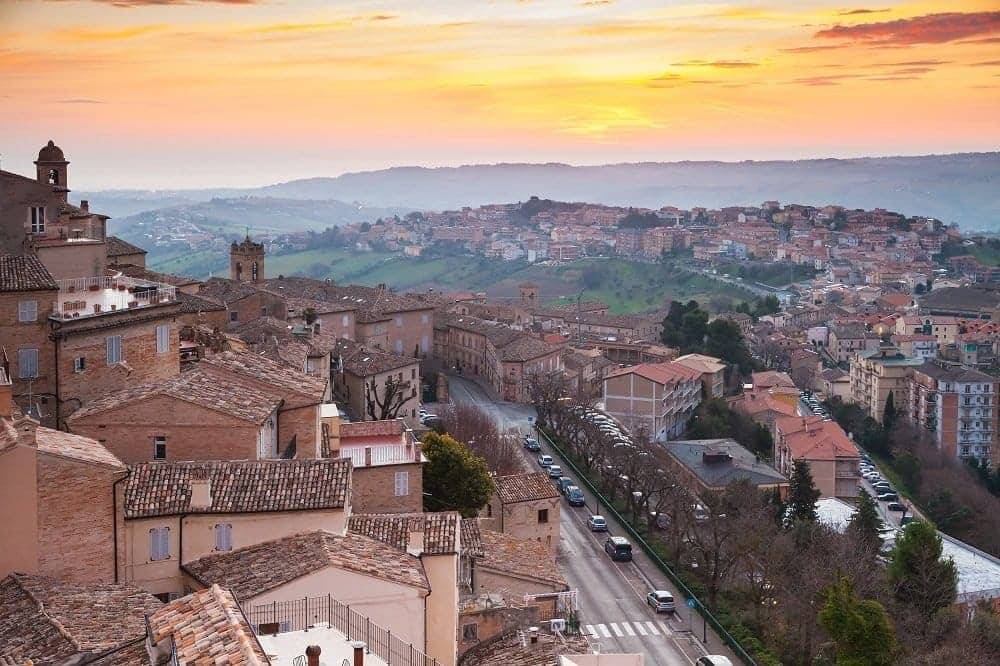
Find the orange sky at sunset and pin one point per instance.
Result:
(158, 93)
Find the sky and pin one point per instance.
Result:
(166, 94)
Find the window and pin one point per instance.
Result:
(159, 544)
(224, 536)
(36, 215)
(162, 338)
(424, 318)
(27, 363)
(543, 515)
(423, 344)
(399, 322)
(234, 316)
(27, 311)
(968, 388)
(345, 320)
(113, 343)
(263, 311)
(79, 364)
(399, 346)
(402, 484)
(159, 448)
(470, 632)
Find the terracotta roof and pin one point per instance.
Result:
(758, 402)
(769, 378)
(238, 486)
(207, 627)
(59, 443)
(525, 348)
(440, 530)
(661, 373)
(372, 303)
(225, 290)
(363, 361)
(132, 654)
(49, 621)
(235, 398)
(701, 363)
(954, 374)
(525, 487)
(256, 569)
(509, 650)
(197, 303)
(24, 273)
(118, 247)
(142, 273)
(812, 438)
(521, 558)
(270, 372)
(472, 538)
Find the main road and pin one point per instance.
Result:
(612, 595)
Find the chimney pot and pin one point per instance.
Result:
(533, 633)
(85, 205)
(359, 653)
(312, 655)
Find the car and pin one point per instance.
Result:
(906, 520)
(882, 487)
(422, 412)
(545, 460)
(555, 471)
(427, 418)
(531, 444)
(575, 496)
(659, 519)
(713, 660)
(618, 548)
(596, 523)
(896, 506)
(661, 601)
(564, 482)
(888, 497)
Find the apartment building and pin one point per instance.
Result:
(876, 375)
(849, 339)
(710, 465)
(944, 328)
(375, 384)
(958, 407)
(713, 373)
(526, 506)
(657, 398)
(833, 458)
(387, 465)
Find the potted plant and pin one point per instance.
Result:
(133, 304)
(94, 287)
(71, 288)
(97, 307)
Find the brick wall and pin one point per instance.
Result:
(75, 519)
(522, 521)
(15, 335)
(256, 305)
(192, 432)
(373, 489)
(302, 423)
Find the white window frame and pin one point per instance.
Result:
(401, 484)
(163, 338)
(27, 363)
(80, 364)
(159, 544)
(157, 440)
(36, 218)
(113, 349)
(224, 537)
(27, 311)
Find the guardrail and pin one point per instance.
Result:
(688, 594)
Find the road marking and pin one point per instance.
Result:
(591, 630)
(642, 629)
(628, 629)
(618, 632)
(652, 628)
(604, 630)
(666, 631)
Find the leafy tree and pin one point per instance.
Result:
(455, 479)
(715, 420)
(861, 628)
(866, 522)
(592, 277)
(767, 306)
(724, 340)
(917, 572)
(802, 494)
(946, 512)
(889, 412)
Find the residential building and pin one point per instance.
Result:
(958, 407)
(525, 506)
(944, 328)
(176, 512)
(876, 375)
(849, 339)
(387, 466)
(120, 252)
(657, 398)
(917, 345)
(244, 301)
(833, 458)
(375, 384)
(514, 567)
(835, 383)
(713, 373)
(709, 465)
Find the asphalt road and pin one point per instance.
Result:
(613, 610)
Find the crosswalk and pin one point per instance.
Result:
(622, 629)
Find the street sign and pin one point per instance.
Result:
(692, 603)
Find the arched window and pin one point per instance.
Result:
(54, 176)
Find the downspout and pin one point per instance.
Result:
(55, 337)
(114, 517)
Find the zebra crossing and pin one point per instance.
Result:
(622, 629)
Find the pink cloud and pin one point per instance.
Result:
(928, 29)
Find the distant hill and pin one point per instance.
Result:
(963, 188)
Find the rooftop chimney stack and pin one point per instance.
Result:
(533, 634)
(359, 653)
(85, 205)
(415, 544)
(201, 488)
(312, 655)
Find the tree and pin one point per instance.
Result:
(593, 277)
(724, 340)
(889, 412)
(866, 522)
(802, 494)
(389, 404)
(455, 479)
(468, 423)
(918, 575)
(861, 629)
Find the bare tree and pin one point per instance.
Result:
(387, 405)
(477, 429)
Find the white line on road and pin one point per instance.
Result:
(591, 630)
(604, 630)
(628, 629)
(618, 632)
(666, 631)
(652, 628)
(642, 629)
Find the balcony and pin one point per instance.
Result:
(382, 454)
(95, 296)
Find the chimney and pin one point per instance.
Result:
(84, 205)
(533, 634)
(359, 653)
(312, 655)
(415, 544)
(201, 488)
(27, 429)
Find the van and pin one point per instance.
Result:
(618, 548)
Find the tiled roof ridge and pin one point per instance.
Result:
(236, 625)
(59, 627)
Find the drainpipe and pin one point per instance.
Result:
(55, 337)
(114, 518)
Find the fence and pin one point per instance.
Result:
(723, 634)
(299, 614)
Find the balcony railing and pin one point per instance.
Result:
(384, 454)
(86, 297)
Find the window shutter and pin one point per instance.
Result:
(154, 544)
(27, 311)
(162, 339)
(402, 484)
(165, 543)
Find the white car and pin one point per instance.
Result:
(713, 660)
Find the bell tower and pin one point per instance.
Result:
(51, 168)
(246, 261)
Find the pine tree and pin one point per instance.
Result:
(918, 574)
(455, 478)
(802, 494)
(889, 413)
(861, 628)
(865, 522)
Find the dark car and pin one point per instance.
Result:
(564, 482)
(618, 548)
(896, 506)
(575, 496)
(531, 444)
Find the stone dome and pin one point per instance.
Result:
(50, 152)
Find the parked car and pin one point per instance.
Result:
(906, 520)
(888, 497)
(555, 471)
(545, 460)
(661, 601)
(596, 523)
(564, 482)
(575, 496)
(531, 444)
(896, 506)
(882, 487)
(427, 418)
(713, 660)
(618, 548)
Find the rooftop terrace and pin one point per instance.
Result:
(95, 296)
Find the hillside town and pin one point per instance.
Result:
(261, 469)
